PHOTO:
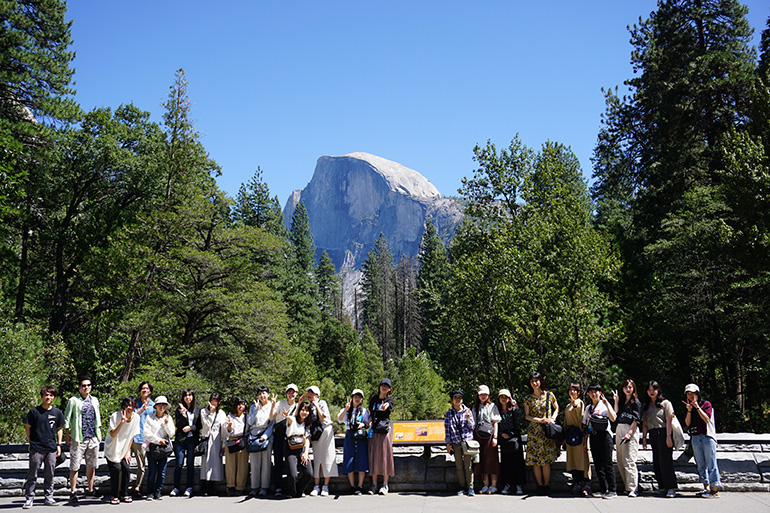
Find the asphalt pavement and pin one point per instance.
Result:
(405, 502)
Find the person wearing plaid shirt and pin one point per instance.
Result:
(458, 426)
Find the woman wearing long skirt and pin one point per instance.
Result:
(540, 407)
(578, 459)
(487, 418)
(381, 444)
(214, 422)
(324, 454)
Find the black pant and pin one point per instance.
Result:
(512, 468)
(298, 475)
(601, 451)
(662, 459)
(119, 474)
(279, 448)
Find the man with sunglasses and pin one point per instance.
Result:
(82, 426)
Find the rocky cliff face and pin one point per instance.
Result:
(352, 198)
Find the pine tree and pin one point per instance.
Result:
(432, 281)
(301, 289)
(659, 189)
(35, 100)
(378, 303)
(408, 323)
(328, 288)
(255, 207)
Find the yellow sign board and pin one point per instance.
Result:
(418, 432)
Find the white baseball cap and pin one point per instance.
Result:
(483, 389)
(314, 389)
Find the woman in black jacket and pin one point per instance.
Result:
(187, 419)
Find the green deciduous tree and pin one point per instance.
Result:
(525, 272)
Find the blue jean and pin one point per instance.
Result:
(184, 450)
(705, 450)
(156, 475)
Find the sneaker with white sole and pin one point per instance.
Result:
(484, 490)
(633, 494)
(28, 504)
(492, 489)
(315, 492)
(325, 491)
(506, 490)
(384, 490)
(188, 492)
(671, 494)
(519, 490)
(174, 492)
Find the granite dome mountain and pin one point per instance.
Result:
(354, 197)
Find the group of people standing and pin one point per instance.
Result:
(268, 440)
(476, 434)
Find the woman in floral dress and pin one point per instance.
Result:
(541, 451)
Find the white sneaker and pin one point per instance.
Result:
(485, 490)
(188, 492)
(506, 490)
(492, 489)
(174, 493)
(633, 494)
(315, 492)
(384, 489)
(519, 491)
(27, 504)
(324, 491)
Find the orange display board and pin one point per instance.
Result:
(418, 432)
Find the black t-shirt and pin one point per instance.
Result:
(43, 426)
(629, 412)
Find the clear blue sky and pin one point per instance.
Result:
(278, 84)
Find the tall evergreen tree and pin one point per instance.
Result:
(432, 281)
(255, 207)
(378, 305)
(35, 100)
(408, 322)
(302, 291)
(328, 288)
(659, 174)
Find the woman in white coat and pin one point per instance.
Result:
(214, 421)
(324, 454)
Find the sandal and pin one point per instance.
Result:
(128, 498)
(115, 500)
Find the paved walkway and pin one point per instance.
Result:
(735, 502)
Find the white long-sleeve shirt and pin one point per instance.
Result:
(156, 429)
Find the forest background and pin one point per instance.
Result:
(121, 258)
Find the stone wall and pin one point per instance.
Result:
(744, 463)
